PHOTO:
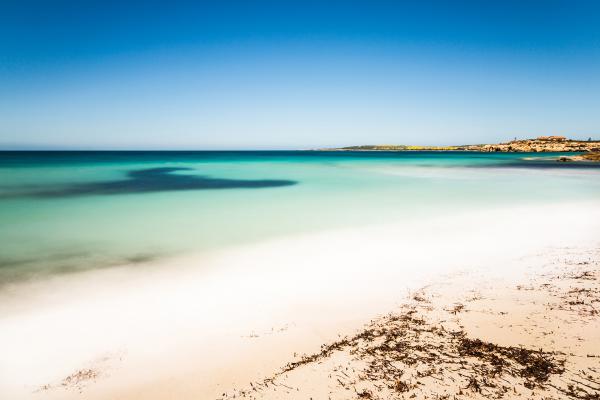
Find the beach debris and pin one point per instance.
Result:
(403, 353)
(272, 331)
(82, 378)
(417, 353)
(458, 307)
(76, 381)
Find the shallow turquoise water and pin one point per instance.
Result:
(67, 211)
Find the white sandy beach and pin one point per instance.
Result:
(197, 327)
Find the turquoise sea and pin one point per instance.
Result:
(63, 212)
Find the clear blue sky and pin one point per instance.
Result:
(283, 74)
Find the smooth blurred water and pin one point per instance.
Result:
(62, 212)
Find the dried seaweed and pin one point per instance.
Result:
(407, 354)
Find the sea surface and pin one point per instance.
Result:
(65, 212)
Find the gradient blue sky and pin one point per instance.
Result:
(282, 74)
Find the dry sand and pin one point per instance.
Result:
(223, 324)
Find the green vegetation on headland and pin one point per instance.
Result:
(393, 147)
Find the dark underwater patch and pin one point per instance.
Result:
(44, 265)
(156, 180)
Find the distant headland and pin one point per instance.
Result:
(541, 144)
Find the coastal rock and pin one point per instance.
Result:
(558, 144)
(591, 156)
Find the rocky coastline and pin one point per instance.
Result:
(554, 144)
(542, 144)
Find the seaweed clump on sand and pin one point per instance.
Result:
(424, 352)
(403, 356)
(534, 366)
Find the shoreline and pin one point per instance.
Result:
(206, 325)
